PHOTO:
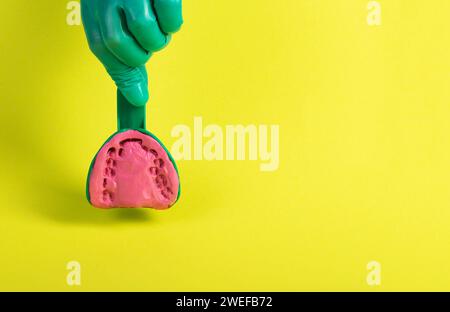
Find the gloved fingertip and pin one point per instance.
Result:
(136, 94)
(168, 39)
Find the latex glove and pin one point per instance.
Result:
(123, 34)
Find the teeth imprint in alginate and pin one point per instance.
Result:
(133, 170)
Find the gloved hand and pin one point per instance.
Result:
(123, 34)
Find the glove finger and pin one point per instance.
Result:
(131, 81)
(169, 14)
(118, 39)
(142, 23)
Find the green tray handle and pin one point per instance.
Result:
(129, 116)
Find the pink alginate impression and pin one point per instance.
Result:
(133, 170)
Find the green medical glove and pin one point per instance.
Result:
(123, 34)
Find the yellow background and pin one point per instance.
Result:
(364, 150)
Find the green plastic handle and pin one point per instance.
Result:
(129, 116)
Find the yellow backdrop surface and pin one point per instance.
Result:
(364, 172)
